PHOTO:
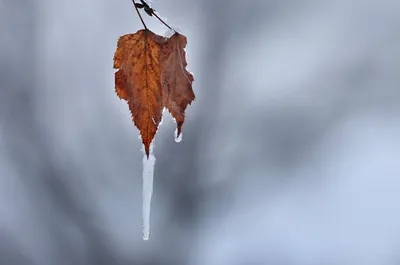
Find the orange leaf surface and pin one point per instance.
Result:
(138, 80)
(176, 81)
(151, 75)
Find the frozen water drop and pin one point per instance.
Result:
(168, 34)
(178, 139)
(148, 177)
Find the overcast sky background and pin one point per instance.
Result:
(289, 153)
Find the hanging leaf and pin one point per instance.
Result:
(176, 81)
(151, 75)
(138, 80)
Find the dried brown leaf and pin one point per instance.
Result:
(151, 75)
(176, 81)
(138, 80)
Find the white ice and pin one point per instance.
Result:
(168, 34)
(148, 176)
(177, 138)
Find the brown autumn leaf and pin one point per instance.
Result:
(176, 81)
(138, 80)
(152, 75)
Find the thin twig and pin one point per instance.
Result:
(162, 21)
(140, 16)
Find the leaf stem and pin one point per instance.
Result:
(140, 16)
(162, 21)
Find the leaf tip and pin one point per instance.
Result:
(179, 127)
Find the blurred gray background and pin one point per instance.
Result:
(290, 153)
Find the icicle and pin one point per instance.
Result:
(148, 176)
(178, 139)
